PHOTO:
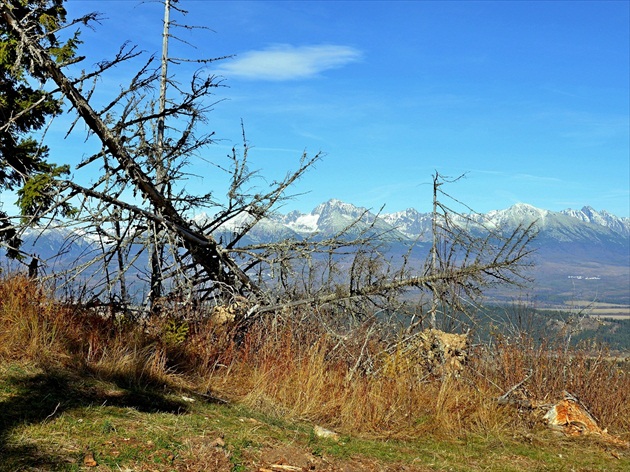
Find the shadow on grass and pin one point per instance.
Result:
(41, 397)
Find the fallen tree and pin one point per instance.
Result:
(459, 268)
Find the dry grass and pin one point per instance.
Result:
(600, 381)
(304, 371)
(29, 325)
(34, 327)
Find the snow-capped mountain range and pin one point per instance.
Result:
(579, 254)
(332, 216)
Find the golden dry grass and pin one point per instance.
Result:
(301, 370)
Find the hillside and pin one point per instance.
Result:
(79, 391)
(58, 421)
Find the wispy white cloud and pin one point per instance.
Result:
(519, 176)
(537, 178)
(286, 62)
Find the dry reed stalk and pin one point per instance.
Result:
(33, 327)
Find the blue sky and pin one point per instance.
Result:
(530, 99)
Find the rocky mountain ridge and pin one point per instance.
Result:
(578, 254)
(334, 215)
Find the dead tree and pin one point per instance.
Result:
(348, 268)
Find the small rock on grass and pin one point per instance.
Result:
(325, 433)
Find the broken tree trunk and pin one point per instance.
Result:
(570, 416)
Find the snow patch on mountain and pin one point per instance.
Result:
(520, 213)
(588, 215)
(409, 222)
(299, 222)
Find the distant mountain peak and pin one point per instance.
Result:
(524, 206)
(334, 205)
(519, 213)
(601, 218)
(526, 209)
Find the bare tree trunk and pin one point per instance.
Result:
(156, 248)
(434, 252)
(120, 259)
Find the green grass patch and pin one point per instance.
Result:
(53, 420)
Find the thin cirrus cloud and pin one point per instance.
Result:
(286, 62)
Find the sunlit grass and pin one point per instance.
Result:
(73, 383)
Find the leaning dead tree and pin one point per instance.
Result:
(130, 157)
(142, 163)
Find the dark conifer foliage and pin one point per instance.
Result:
(25, 108)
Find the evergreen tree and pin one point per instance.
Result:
(25, 107)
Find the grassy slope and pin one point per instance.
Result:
(53, 420)
(75, 387)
